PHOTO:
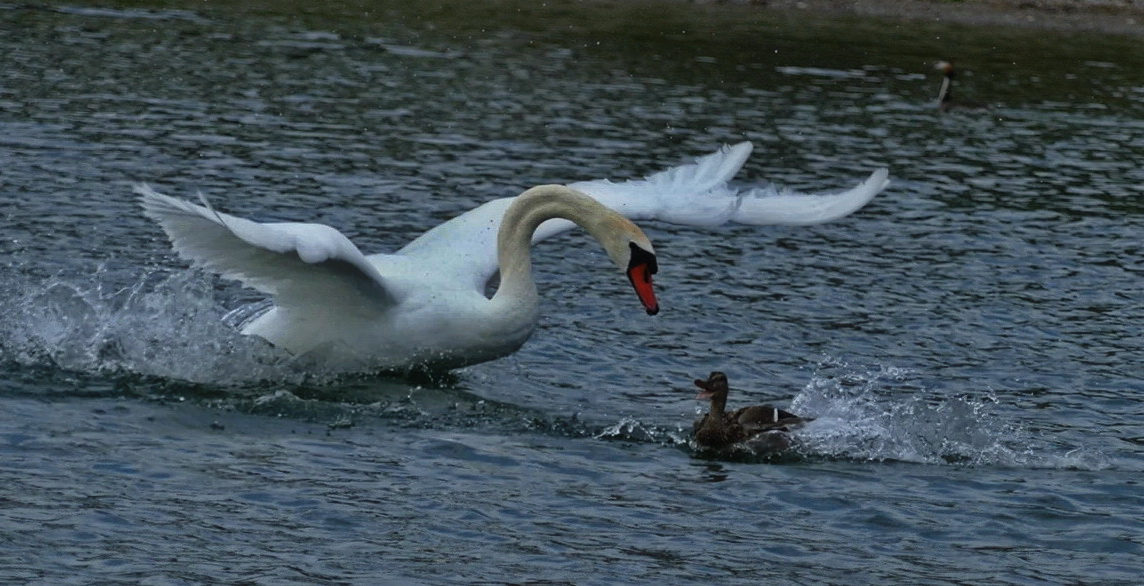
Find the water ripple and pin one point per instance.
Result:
(968, 342)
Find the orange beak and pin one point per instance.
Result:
(640, 269)
(640, 276)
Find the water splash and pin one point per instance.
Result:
(631, 429)
(169, 326)
(885, 414)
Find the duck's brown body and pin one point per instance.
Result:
(718, 429)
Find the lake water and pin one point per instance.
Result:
(969, 342)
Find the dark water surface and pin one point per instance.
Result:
(970, 342)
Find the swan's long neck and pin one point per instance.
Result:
(523, 217)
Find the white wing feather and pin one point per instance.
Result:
(765, 206)
(699, 195)
(695, 194)
(301, 265)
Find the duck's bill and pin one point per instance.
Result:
(706, 393)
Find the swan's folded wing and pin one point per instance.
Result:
(299, 264)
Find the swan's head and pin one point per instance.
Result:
(715, 387)
(629, 248)
(946, 67)
(624, 242)
(641, 265)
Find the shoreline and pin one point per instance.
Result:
(1124, 17)
(1117, 17)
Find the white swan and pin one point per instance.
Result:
(424, 306)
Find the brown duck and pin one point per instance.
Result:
(718, 429)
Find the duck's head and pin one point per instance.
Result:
(714, 388)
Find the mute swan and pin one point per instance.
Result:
(425, 306)
(334, 304)
(718, 429)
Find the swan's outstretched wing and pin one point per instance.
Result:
(767, 206)
(695, 194)
(301, 265)
(698, 194)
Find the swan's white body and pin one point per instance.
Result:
(425, 306)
